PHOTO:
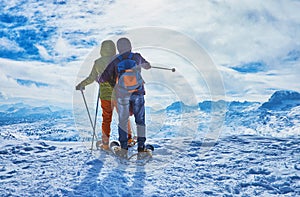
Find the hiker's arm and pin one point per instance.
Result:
(90, 79)
(106, 75)
(141, 62)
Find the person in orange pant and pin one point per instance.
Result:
(107, 52)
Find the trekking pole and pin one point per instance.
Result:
(88, 111)
(163, 68)
(95, 122)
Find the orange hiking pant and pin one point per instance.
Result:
(107, 112)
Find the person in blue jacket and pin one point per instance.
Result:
(123, 70)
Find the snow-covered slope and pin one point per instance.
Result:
(235, 166)
(23, 113)
(277, 117)
(256, 155)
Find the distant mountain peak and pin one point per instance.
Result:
(284, 95)
(282, 100)
(176, 106)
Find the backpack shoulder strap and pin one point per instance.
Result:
(130, 56)
(120, 57)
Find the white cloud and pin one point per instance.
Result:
(259, 86)
(9, 45)
(60, 80)
(237, 31)
(232, 33)
(43, 52)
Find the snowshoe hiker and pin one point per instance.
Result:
(108, 102)
(125, 72)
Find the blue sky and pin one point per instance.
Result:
(255, 45)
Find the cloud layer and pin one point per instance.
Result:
(254, 44)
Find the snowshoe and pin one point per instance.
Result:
(114, 143)
(115, 147)
(98, 143)
(145, 152)
(150, 147)
(142, 156)
(121, 153)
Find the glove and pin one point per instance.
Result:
(145, 66)
(80, 87)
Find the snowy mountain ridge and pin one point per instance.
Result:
(22, 113)
(282, 100)
(279, 116)
(279, 101)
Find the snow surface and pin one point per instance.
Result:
(257, 154)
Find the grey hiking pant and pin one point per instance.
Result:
(136, 104)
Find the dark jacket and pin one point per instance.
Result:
(110, 74)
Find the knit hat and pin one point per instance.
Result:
(123, 45)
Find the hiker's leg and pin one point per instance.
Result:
(138, 109)
(123, 114)
(114, 102)
(106, 120)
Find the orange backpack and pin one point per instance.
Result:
(129, 75)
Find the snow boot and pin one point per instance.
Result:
(104, 146)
